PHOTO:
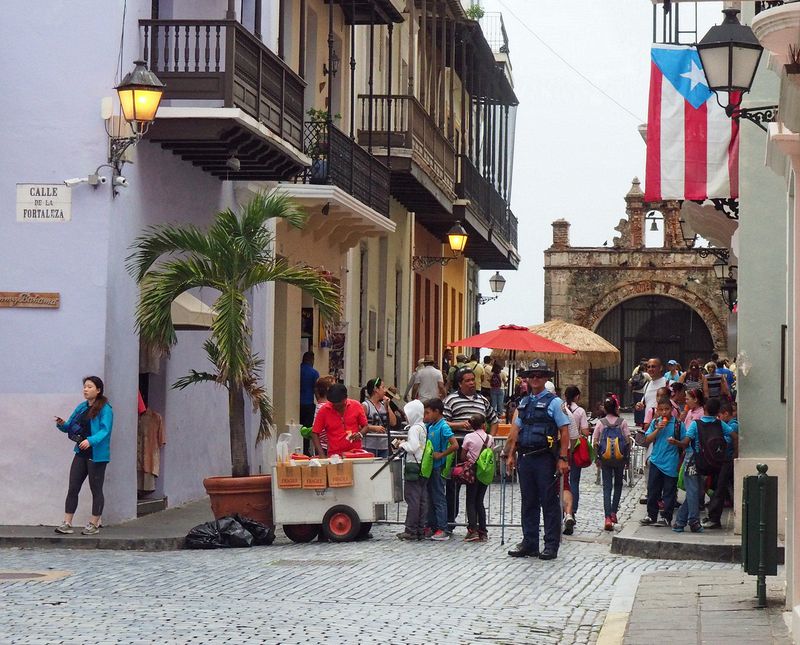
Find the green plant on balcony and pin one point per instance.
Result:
(475, 12)
(320, 116)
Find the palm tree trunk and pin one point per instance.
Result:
(240, 467)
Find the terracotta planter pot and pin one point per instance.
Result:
(248, 496)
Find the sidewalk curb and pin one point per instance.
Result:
(96, 543)
(619, 610)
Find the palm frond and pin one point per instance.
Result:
(196, 377)
(266, 206)
(159, 288)
(232, 334)
(324, 293)
(165, 239)
(261, 404)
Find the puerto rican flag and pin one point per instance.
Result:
(692, 145)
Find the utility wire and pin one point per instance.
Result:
(567, 63)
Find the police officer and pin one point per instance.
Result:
(538, 444)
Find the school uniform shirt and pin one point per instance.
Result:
(579, 414)
(474, 444)
(338, 425)
(691, 432)
(664, 455)
(439, 434)
(733, 424)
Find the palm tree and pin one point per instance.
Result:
(233, 256)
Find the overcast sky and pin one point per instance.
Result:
(576, 150)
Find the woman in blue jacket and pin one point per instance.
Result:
(89, 426)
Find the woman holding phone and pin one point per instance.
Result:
(89, 426)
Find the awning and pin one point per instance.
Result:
(189, 312)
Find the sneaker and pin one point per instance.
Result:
(609, 525)
(65, 528)
(696, 527)
(647, 521)
(440, 536)
(643, 500)
(90, 529)
(426, 534)
(472, 536)
(483, 535)
(677, 528)
(661, 522)
(710, 524)
(613, 517)
(406, 536)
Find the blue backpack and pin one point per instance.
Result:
(613, 447)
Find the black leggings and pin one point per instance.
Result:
(96, 471)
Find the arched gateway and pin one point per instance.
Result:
(647, 326)
(647, 302)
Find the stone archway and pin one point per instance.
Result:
(646, 326)
(594, 314)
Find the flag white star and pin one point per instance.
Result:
(696, 76)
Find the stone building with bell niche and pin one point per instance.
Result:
(647, 301)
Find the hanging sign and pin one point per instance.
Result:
(30, 299)
(44, 203)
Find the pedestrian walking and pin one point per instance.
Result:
(572, 395)
(474, 443)
(444, 443)
(458, 408)
(662, 477)
(89, 426)
(611, 458)
(538, 445)
(497, 388)
(428, 381)
(716, 386)
(673, 373)
(638, 380)
(308, 379)
(565, 485)
(650, 393)
(415, 486)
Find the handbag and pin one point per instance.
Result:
(411, 471)
(581, 455)
(464, 473)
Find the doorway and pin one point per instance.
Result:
(644, 327)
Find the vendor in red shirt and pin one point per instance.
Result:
(343, 420)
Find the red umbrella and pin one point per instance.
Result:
(513, 338)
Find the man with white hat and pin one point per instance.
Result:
(428, 381)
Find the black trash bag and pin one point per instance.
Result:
(234, 534)
(219, 534)
(204, 536)
(263, 535)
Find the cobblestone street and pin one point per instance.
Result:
(380, 590)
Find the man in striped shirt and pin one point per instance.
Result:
(458, 408)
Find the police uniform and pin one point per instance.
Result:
(539, 417)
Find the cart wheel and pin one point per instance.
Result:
(301, 532)
(366, 527)
(341, 524)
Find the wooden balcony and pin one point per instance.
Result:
(220, 64)
(337, 159)
(422, 160)
(489, 216)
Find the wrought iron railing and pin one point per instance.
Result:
(403, 121)
(763, 6)
(494, 30)
(221, 60)
(485, 201)
(337, 159)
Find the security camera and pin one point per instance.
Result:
(75, 181)
(121, 181)
(95, 180)
(233, 164)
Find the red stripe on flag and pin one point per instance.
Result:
(652, 178)
(696, 151)
(733, 150)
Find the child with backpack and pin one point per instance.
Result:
(662, 478)
(472, 452)
(440, 444)
(706, 443)
(415, 486)
(722, 493)
(611, 439)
